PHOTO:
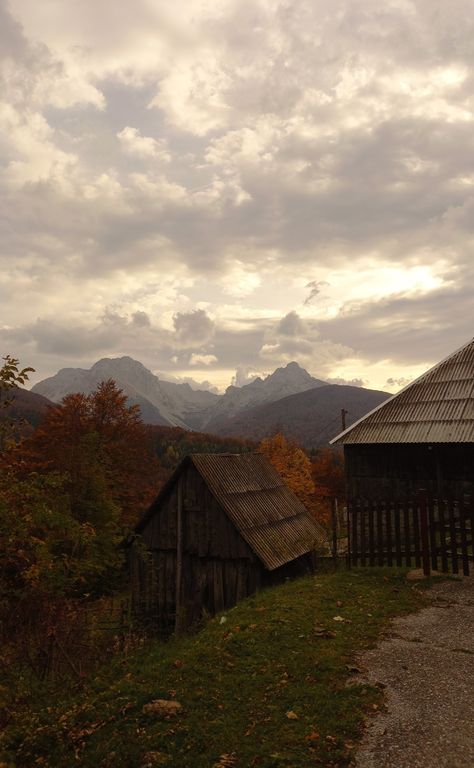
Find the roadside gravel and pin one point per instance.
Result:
(426, 666)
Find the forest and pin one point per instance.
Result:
(71, 491)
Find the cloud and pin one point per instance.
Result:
(291, 325)
(245, 375)
(223, 153)
(143, 147)
(197, 359)
(315, 287)
(193, 328)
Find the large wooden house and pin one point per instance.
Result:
(422, 437)
(222, 527)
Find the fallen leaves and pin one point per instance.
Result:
(227, 760)
(292, 715)
(162, 708)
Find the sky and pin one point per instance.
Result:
(219, 187)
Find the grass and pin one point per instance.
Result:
(262, 685)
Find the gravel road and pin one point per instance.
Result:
(427, 666)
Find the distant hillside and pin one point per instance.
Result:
(28, 407)
(312, 418)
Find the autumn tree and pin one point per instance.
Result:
(291, 462)
(104, 449)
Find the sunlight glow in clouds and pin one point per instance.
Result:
(174, 177)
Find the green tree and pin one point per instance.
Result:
(11, 377)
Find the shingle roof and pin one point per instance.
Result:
(268, 515)
(438, 407)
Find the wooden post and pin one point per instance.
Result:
(424, 534)
(178, 622)
(348, 512)
(334, 529)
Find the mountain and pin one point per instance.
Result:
(289, 400)
(289, 380)
(312, 418)
(161, 402)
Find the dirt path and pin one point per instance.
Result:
(427, 666)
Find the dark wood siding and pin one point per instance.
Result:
(398, 471)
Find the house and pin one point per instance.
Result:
(422, 437)
(223, 526)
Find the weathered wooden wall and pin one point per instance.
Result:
(397, 471)
(218, 566)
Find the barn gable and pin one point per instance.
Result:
(438, 407)
(265, 512)
(222, 527)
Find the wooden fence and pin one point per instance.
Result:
(435, 534)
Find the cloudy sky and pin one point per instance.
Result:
(218, 187)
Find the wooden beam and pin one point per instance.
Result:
(179, 617)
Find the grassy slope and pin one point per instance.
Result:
(236, 681)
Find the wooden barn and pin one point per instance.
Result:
(422, 437)
(222, 527)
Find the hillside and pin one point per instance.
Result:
(27, 407)
(312, 418)
(263, 685)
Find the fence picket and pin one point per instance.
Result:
(355, 511)
(462, 524)
(453, 536)
(388, 523)
(371, 534)
(416, 534)
(442, 534)
(380, 552)
(406, 532)
(398, 538)
(363, 513)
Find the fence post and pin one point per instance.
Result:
(334, 529)
(425, 542)
(348, 511)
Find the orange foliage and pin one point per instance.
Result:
(291, 462)
(98, 441)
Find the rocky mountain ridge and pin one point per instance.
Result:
(288, 400)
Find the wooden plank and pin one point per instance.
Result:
(371, 534)
(380, 550)
(179, 615)
(348, 523)
(334, 528)
(453, 537)
(363, 516)
(406, 532)
(464, 552)
(416, 533)
(398, 536)
(355, 514)
(442, 535)
(424, 534)
(388, 525)
(433, 543)
(470, 506)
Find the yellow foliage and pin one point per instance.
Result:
(291, 462)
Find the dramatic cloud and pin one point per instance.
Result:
(235, 185)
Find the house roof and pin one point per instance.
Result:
(268, 515)
(438, 407)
